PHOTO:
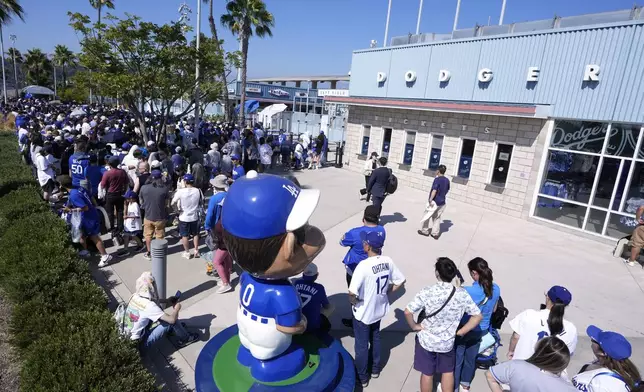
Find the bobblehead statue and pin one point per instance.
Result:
(266, 230)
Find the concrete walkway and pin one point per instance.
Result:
(526, 258)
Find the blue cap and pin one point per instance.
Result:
(189, 178)
(260, 206)
(560, 294)
(126, 146)
(114, 160)
(130, 194)
(375, 239)
(155, 174)
(234, 156)
(613, 344)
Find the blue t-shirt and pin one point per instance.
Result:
(478, 296)
(441, 186)
(352, 239)
(78, 164)
(313, 298)
(270, 299)
(79, 198)
(238, 172)
(94, 176)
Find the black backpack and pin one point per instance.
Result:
(499, 315)
(392, 183)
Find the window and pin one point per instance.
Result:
(465, 160)
(366, 134)
(408, 153)
(386, 142)
(435, 150)
(501, 165)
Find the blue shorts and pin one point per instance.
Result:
(187, 229)
(91, 228)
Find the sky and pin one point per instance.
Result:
(310, 37)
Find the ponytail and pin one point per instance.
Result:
(555, 319)
(479, 265)
(627, 370)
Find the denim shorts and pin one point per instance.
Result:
(187, 229)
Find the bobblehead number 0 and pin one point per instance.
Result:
(248, 294)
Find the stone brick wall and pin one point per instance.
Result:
(527, 135)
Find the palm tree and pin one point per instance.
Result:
(64, 57)
(245, 18)
(38, 67)
(213, 31)
(15, 53)
(99, 4)
(8, 9)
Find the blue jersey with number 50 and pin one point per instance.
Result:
(78, 164)
(271, 299)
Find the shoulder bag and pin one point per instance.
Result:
(422, 316)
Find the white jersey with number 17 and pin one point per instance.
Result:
(532, 325)
(370, 283)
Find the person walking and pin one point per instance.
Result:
(444, 304)
(154, 199)
(378, 181)
(368, 293)
(612, 370)
(188, 201)
(435, 205)
(132, 225)
(485, 294)
(531, 325)
(369, 166)
(265, 155)
(115, 182)
(45, 164)
(541, 372)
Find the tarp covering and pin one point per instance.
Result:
(37, 90)
(266, 115)
(251, 106)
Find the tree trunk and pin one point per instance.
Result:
(242, 108)
(213, 31)
(64, 78)
(100, 4)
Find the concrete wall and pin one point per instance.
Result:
(527, 135)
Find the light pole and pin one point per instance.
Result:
(53, 64)
(384, 43)
(458, 10)
(502, 13)
(420, 12)
(13, 38)
(4, 77)
(197, 130)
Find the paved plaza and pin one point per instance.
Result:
(526, 258)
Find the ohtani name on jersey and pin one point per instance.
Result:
(380, 267)
(305, 287)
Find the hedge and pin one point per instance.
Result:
(60, 325)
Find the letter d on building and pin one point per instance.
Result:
(444, 76)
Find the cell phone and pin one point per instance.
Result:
(542, 307)
(177, 295)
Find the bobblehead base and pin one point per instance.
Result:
(312, 363)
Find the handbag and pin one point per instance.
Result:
(422, 316)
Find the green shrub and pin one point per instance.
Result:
(13, 177)
(83, 352)
(19, 204)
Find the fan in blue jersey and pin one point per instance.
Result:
(315, 304)
(265, 228)
(78, 162)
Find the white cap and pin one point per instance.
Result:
(155, 164)
(310, 270)
(150, 143)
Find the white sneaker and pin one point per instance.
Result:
(84, 253)
(224, 289)
(629, 262)
(186, 255)
(105, 259)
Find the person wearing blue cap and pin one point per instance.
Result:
(368, 293)
(238, 169)
(531, 325)
(266, 230)
(612, 369)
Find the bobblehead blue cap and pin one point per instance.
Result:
(260, 206)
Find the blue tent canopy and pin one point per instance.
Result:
(37, 90)
(250, 106)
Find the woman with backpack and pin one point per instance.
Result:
(531, 325)
(612, 371)
(485, 294)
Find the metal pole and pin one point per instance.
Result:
(420, 12)
(55, 83)
(384, 43)
(308, 90)
(15, 69)
(239, 68)
(4, 78)
(197, 130)
(502, 12)
(158, 250)
(458, 10)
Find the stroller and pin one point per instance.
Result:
(488, 357)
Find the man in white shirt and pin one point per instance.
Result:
(45, 163)
(188, 201)
(368, 294)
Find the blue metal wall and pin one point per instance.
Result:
(267, 88)
(561, 55)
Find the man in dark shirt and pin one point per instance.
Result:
(154, 198)
(435, 205)
(115, 182)
(315, 304)
(378, 183)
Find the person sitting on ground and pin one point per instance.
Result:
(637, 239)
(80, 200)
(612, 370)
(542, 372)
(188, 201)
(133, 227)
(143, 310)
(315, 304)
